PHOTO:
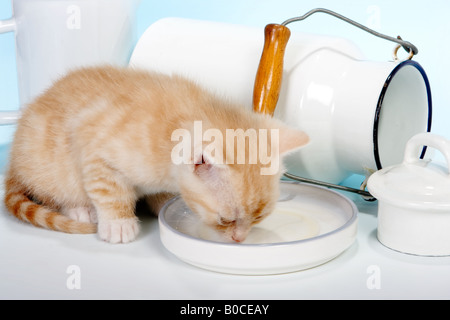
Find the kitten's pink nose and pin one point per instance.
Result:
(237, 239)
(240, 232)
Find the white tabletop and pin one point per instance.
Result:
(41, 264)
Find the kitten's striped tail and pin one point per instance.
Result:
(18, 203)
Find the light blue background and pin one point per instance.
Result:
(424, 23)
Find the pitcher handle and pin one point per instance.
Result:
(8, 117)
(8, 25)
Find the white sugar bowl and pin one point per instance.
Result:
(414, 200)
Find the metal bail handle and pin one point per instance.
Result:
(408, 46)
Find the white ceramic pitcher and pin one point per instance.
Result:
(54, 36)
(359, 114)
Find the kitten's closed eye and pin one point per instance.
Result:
(258, 218)
(226, 222)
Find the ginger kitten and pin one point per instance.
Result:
(100, 138)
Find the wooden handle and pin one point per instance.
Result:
(270, 71)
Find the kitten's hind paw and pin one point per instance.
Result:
(81, 214)
(118, 230)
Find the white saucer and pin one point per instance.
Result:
(310, 226)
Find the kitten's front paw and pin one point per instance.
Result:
(119, 230)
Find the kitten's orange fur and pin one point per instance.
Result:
(100, 138)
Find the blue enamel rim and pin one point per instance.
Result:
(380, 103)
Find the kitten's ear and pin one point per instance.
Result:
(291, 139)
(210, 172)
(204, 163)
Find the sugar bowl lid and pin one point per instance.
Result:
(416, 183)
